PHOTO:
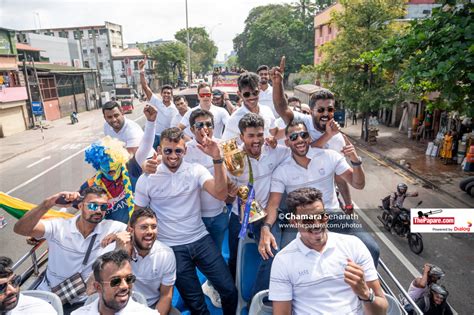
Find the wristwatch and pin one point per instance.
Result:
(268, 225)
(358, 163)
(371, 298)
(218, 161)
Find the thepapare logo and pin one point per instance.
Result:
(469, 224)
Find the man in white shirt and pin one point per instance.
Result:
(182, 107)
(69, 239)
(166, 109)
(114, 280)
(174, 193)
(249, 92)
(322, 272)
(266, 90)
(221, 116)
(118, 126)
(12, 302)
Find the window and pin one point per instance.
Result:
(48, 88)
(329, 29)
(78, 34)
(84, 51)
(92, 51)
(103, 31)
(69, 85)
(63, 34)
(99, 50)
(135, 65)
(86, 64)
(101, 65)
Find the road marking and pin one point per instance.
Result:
(39, 161)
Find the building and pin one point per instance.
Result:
(148, 44)
(98, 43)
(13, 93)
(126, 70)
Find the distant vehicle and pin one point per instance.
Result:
(191, 94)
(225, 79)
(125, 97)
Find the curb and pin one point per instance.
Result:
(431, 185)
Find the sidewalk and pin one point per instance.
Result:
(394, 146)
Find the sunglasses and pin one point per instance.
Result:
(15, 282)
(205, 94)
(294, 136)
(254, 93)
(322, 109)
(115, 282)
(202, 124)
(92, 206)
(169, 151)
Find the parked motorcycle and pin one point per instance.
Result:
(402, 227)
(74, 118)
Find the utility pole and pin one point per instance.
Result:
(28, 91)
(189, 47)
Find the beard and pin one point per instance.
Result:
(4, 307)
(114, 305)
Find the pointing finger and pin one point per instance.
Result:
(282, 63)
(346, 140)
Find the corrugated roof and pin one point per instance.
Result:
(49, 67)
(20, 46)
(128, 52)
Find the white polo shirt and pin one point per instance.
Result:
(176, 120)
(221, 116)
(131, 133)
(324, 164)
(175, 198)
(210, 206)
(314, 281)
(232, 127)
(265, 98)
(336, 143)
(67, 249)
(28, 305)
(165, 114)
(262, 173)
(132, 308)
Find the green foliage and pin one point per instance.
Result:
(232, 62)
(435, 55)
(203, 48)
(170, 60)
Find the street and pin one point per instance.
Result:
(60, 165)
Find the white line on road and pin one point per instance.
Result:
(39, 161)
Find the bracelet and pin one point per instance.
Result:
(218, 161)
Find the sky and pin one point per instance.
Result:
(142, 20)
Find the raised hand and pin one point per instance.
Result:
(332, 127)
(151, 165)
(271, 141)
(349, 150)
(209, 146)
(277, 73)
(141, 64)
(150, 112)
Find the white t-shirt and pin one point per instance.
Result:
(262, 170)
(165, 114)
(132, 308)
(131, 133)
(28, 305)
(314, 281)
(175, 198)
(336, 143)
(290, 176)
(67, 249)
(232, 127)
(176, 120)
(221, 116)
(265, 98)
(210, 206)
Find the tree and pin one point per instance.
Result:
(203, 48)
(170, 61)
(436, 54)
(231, 62)
(362, 25)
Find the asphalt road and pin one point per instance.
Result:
(60, 166)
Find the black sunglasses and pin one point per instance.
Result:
(254, 93)
(178, 151)
(115, 282)
(92, 206)
(303, 134)
(15, 282)
(322, 109)
(202, 124)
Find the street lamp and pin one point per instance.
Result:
(189, 47)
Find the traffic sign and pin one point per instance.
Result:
(37, 108)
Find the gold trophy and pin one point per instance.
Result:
(256, 210)
(234, 158)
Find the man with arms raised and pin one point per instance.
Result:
(321, 272)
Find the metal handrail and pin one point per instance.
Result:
(31, 252)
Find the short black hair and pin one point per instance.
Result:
(323, 94)
(199, 113)
(140, 213)
(111, 105)
(167, 87)
(262, 67)
(250, 120)
(248, 79)
(294, 99)
(202, 85)
(118, 257)
(94, 190)
(177, 98)
(173, 134)
(302, 197)
(294, 123)
(217, 92)
(5, 267)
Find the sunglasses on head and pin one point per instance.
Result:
(115, 282)
(322, 109)
(294, 136)
(202, 124)
(92, 206)
(205, 94)
(15, 282)
(169, 151)
(254, 93)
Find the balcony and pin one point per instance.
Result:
(13, 94)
